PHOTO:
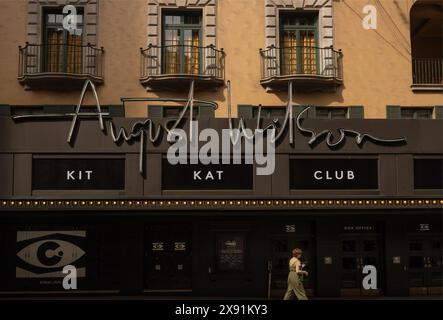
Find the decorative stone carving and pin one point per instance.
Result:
(325, 18)
(209, 18)
(34, 20)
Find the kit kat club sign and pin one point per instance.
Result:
(78, 174)
(259, 138)
(327, 174)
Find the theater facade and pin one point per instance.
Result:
(88, 94)
(179, 230)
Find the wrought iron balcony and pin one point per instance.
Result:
(174, 66)
(427, 73)
(309, 68)
(59, 65)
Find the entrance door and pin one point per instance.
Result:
(357, 252)
(168, 258)
(425, 271)
(281, 252)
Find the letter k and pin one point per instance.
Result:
(197, 175)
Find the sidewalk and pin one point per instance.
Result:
(188, 298)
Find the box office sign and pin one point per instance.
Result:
(326, 174)
(207, 177)
(78, 174)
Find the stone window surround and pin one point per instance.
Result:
(325, 19)
(209, 13)
(34, 18)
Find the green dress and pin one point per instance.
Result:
(295, 284)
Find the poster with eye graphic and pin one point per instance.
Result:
(43, 254)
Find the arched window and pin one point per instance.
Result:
(427, 44)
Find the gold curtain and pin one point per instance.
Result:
(55, 51)
(192, 55)
(172, 52)
(309, 61)
(74, 54)
(289, 62)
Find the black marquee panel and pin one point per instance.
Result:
(324, 174)
(78, 174)
(207, 177)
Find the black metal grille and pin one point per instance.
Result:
(301, 60)
(182, 59)
(60, 58)
(427, 71)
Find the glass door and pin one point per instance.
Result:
(61, 51)
(358, 252)
(182, 43)
(425, 266)
(168, 258)
(298, 42)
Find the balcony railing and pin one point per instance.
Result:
(300, 62)
(427, 71)
(58, 61)
(173, 62)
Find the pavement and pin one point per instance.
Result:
(192, 298)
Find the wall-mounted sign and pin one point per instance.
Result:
(43, 254)
(396, 260)
(359, 228)
(230, 252)
(428, 173)
(326, 174)
(327, 260)
(78, 174)
(290, 228)
(157, 246)
(179, 246)
(424, 226)
(207, 177)
(147, 130)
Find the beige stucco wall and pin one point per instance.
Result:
(377, 64)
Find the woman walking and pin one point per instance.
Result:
(295, 284)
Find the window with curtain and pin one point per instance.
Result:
(182, 42)
(331, 113)
(269, 112)
(298, 42)
(416, 113)
(62, 51)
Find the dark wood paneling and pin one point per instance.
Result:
(22, 175)
(6, 174)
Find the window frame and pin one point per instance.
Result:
(298, 29)
(415, 111)
(330, 111)
(46, 11)
(182, 27)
